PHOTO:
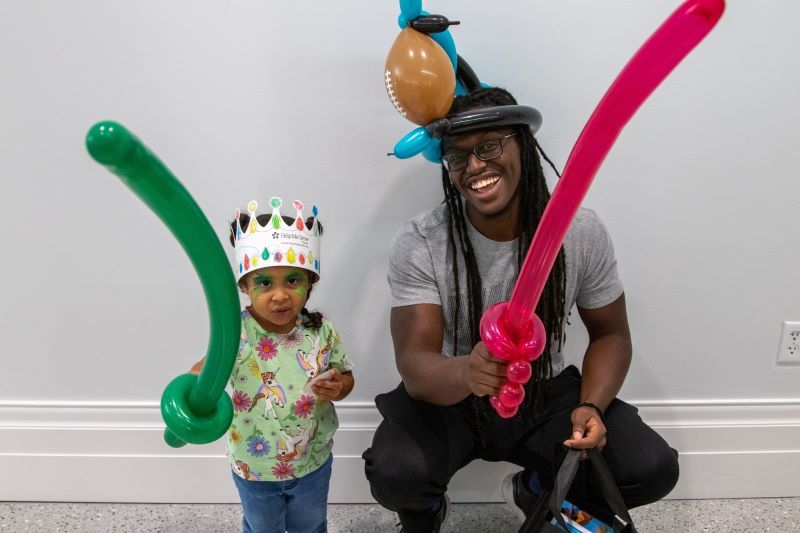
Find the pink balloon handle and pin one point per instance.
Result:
(508, 339)
(501, 409)
(511, 395)
(654, 60)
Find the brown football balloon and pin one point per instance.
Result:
(419, 77)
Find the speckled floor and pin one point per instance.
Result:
(751, 515)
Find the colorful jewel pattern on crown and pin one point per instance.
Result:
(276, 243)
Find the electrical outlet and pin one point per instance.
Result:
(789, 349)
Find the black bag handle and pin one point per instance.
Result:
(536, 517)
(562, 483)
(622, 518)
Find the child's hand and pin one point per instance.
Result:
(197, 367)
(336, 388)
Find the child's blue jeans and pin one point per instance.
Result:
(295, 505)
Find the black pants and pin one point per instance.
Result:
(419, 446)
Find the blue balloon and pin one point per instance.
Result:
(412, 143)
(410, 9)
(461, 90)
(420, 140)
(433, 152)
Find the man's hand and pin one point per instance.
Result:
(588, 431)
(484, 373)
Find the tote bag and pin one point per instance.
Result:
(551, 513)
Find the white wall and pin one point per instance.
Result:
(100, 307)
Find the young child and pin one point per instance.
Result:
(291, 366)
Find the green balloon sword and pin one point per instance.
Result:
(195, 408)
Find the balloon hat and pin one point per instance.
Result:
(423, 75)
(485, 117)
(511, 330)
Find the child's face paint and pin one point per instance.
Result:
(277, 294)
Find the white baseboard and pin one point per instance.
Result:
(114, 452)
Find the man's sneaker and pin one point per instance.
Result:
(439, 519)
(441, 516)
(517, 494)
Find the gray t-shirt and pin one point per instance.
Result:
(421, 270)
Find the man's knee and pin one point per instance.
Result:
(662, 471)
(398, 477)
(653, 476)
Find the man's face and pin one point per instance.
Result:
(488, 187)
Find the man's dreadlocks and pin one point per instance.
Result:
(533, 196)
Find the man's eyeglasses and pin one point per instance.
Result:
(484, 150)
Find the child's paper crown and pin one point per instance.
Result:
(276, 243)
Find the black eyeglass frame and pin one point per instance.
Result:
(474, 150)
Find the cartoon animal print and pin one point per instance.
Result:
(303, 436)
(316, 360)
(285, 443)
(269, 390)
(308, 360)
(242, 469)
(293, 447)
(325, 353)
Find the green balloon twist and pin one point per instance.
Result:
(196, 409)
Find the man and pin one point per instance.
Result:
(446, 267)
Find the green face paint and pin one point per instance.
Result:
(298, 277)
(294, 280)
(262, 279)
(260, 283)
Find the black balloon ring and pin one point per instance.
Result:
(485, 118)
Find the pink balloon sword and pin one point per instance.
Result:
(511, 330)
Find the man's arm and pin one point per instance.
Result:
(605, 366)
(417, 332)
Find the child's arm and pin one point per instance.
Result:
(336, 388)
(197, 367)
